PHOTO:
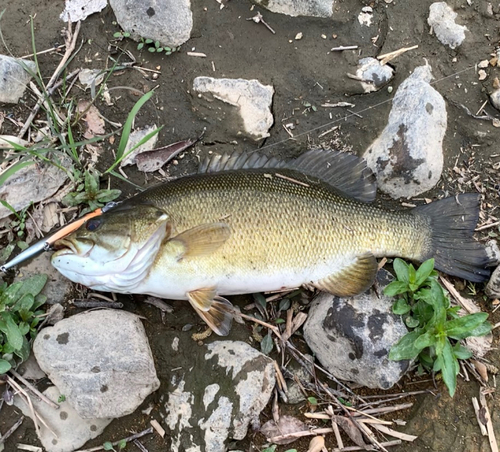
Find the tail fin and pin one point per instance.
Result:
(455, 251)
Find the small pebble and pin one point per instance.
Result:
(483, 64)
(482, 74)
(298, 36)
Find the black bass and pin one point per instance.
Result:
(249, 223)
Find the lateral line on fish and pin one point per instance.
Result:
(290, 179)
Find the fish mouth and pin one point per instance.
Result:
(66, 247)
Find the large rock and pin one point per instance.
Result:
(13, 78)
(493, 286)
(167, 21)
(351, 337)
(33, 183)
(312, 8)
(72, 431)
(100, 360)
(225, 388)
(373, 75)
(442, 21)
(247, 104)
(407, 157)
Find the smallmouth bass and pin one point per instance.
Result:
(249, 223)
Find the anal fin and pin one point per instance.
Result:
(351, 280)
(216, 311)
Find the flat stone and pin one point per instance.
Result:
(76, 10)
(495, 99)
(229, 384)
(311, 8)
(442, 21)
(33, 183)
(100, 360)
(72, 431)
(13, 78)
(167, 21)
(407, 157)
(243, 106)
(352, 337)
(57, 289)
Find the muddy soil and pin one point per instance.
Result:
(305, 74)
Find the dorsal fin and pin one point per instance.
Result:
(347, 173)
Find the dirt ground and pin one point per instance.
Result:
(305, 74)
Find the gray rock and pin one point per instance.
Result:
(495, 99)
(13, 78)
(493, 286)
(57, 288)
(76, 10)
(167, 21)
(100, 360)
(442, 21)
(312, 8)
(351, 337)
(294, 392)
(228, 386)
(33, 183)
(72, 431)
(373, 75)
(407, 157)
(247, 104)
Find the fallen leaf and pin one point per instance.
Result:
(153, 160)
(317, 444)
(135, 137)
(92, 118)
(286, 426)
(351, 430)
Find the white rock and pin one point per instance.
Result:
(76, 10)
(100, 360)
(312, 8)
(372, 74)
(407, 157)
(251, 100)
(32, 183)
(216, 400)
(495, 99)
(72, 431)
(365, 17)
(351, 337)
(442, 21)
(13, 78)
(167, 21)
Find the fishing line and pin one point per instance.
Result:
(355, 113)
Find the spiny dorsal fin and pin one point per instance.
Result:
(352, 280)
(202, 240)
(216, 311)
(347, 173)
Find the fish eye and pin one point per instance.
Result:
(93, 224)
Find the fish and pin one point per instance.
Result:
(246, 223)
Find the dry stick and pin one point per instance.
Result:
(34, 390)
(479, 417)
(489, 425)
(127, 440)
(11, 430)
(396, 442)
(28, 401)
(312, 432)
(69, 49)
(44, 51)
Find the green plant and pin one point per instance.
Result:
(88, 192)
(122, 444)
(155, 46)
(436, 327)
(19, 316)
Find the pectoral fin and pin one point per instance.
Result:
(202, 240)
(353, 279)
(216, 311)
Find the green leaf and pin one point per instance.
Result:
(14, 336)
(401, 269)
(424, 271)
(9, 297)
(118, 34)
(159, 49)
(24, 351)
(279, 321)
(266, 346)
(427, 339)
(91, 184)
(284, 304)
(157, 44)
(25, 303)
(461, 352)
(396, 288)
(126, 34)
(33, 285)
(151, 49)
(412, 322)
(482, 330)
(4, 366)
(108, 195)
(108, 446)
(449, 367)
(412, 275)
(401, 307)
(270, 448)
(61, 398)
(463, 326)
(261, 300)
(122, 444)
(140, 46)
(148, 41)
(405, 348)
(312, 400)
